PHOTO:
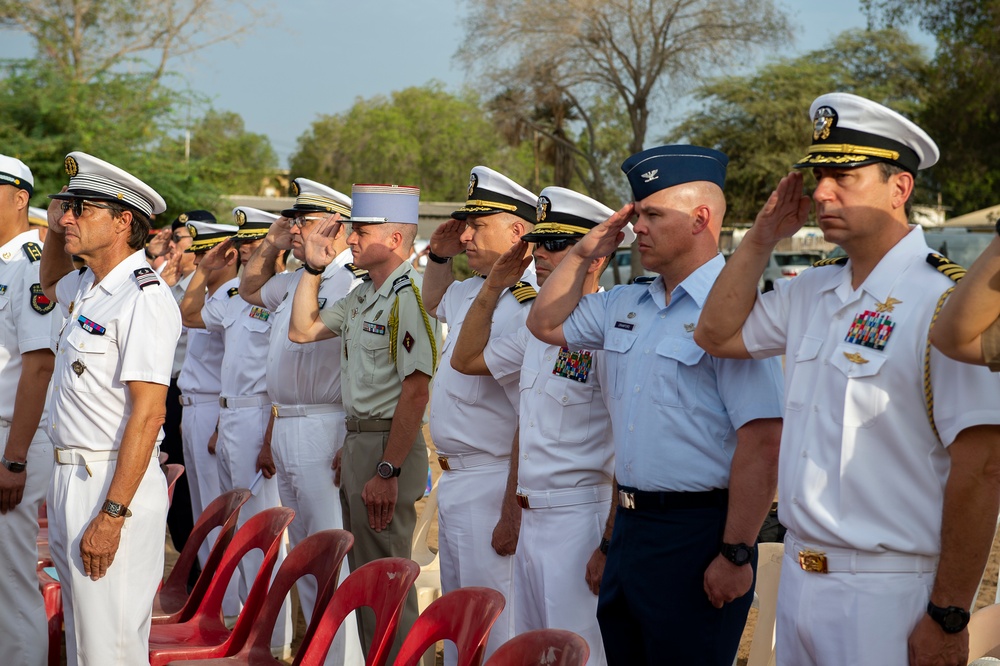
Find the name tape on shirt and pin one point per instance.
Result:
(625, 326)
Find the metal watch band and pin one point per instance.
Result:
(15, 467)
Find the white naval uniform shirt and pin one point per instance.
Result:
(305, 374)
(860, 467)
(22, 328)
(202, 369)
(471, 413)
(115, 332)
(180, 353)
(566, 439)
(246, 330)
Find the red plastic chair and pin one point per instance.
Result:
(463, 616)
(173, 603)
(172, 472)
(542, 647)
(205, 635)
(381, 585)
(52, 595)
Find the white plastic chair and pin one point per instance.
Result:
(428, 583)
(769, 556)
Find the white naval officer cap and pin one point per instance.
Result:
(15, 172)
(491, 192)
(313, 197)
(94, 179)
(38, 216)
(206, 232)
(563, 213)
(253, 223)
(378, 204)
(851, 131)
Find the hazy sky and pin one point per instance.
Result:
(313, 57)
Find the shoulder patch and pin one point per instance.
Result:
(643, 279)
(232, 291)
(39, 301)
(833, 261)
(523, 292)
(357, 271)
(145, 277)
(400, 283)
(33, 251)
(946, 266)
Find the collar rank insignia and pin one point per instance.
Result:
(33, 251)
(90, 326)
(945, 266)
(689, 328)
(888, 306)
(523, 292)
(377, 329)
(650, 176)
(3, 289)
(855, 357)
(871, 329)
(259, 313)
(573, 365)
(40, 303)
(145, 276)
(72, 304)
(232, 291)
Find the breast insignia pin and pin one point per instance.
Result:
(78, 367)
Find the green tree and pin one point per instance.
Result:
(761, 121)
(422, 136)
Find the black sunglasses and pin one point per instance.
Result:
(76, 205)
(557, 244)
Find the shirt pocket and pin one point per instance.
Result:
(90, 355)
(8, 337)
(865, 397)
(377, 361)
(803, 373)
(464, 388)
(675, 360)
(617, 343)
(566, 416)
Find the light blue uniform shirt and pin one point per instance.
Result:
(674, 408)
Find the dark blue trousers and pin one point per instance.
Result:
(652, 607)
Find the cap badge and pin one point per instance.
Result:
(191, 230)
(294, 188)
(473, 182)
(120, 195)
(542, 210)
(72, 168)
(182, 218)
(241, 218)
(650, 176)
(824, 121)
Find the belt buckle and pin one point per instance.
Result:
(274, 411)
(443, 461)
(522, 501)
(626, 500)
(813, 561)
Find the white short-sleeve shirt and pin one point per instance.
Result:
(246, 332)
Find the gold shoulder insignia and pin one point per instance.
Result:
(523, 292)
(232, 291)
(950, 269)
(358, 271)
(832, 261)
(33, 251)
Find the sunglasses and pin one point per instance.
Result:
(302, 220)
(76, 205)
(557, 244)
(177, 238)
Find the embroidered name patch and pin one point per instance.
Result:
(573, 365)
(624, 326)
(91, 327)
(259, 313)
(871, 329)
(377, 329)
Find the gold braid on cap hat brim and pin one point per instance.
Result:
(558, 228)
(850, 149)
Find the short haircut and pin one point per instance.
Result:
(888, 170)
(141, 226)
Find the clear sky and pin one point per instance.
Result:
(312, 57)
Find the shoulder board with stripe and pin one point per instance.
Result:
(833, 261)
(643, 279)
(523, 292)
(232, 291)
(400, 283)
(145, 277)
(33, 251)
(358, 271)
(946, 266)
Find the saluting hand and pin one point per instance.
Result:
(446, 241)
(55, 214)
(605, 238)
(279, 234)
(99, 544)
(380, 495)
(159, 245)
(785, 212)
(509, 268)
(320, 250)
(217, 258)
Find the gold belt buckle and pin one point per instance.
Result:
(813, 560)
(274, 411)
(522, 501)
(443, 461)
(626, 500)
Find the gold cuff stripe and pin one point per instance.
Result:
(491, 204)
(851, 149)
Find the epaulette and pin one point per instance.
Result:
(832, 261)
(643, 279)
(232, 291)
(400, 283)
(358, 271)
(523, 292)
(145, 277)
(33, 250)
(947, 267)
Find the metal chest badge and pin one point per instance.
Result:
(78, 367)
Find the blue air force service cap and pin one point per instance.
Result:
(97, 180)
(206, 231)
(563, 213)
(253, 223)
(15, 172)
(851, 131)
(658, 168)
(313, 197)
(379, 204)
(491, 192)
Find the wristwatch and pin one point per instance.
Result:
(115, 509)
(952, 619)
(605, 544)
(312, 271)
(737, 553)
(12, 466)
(436, 258)
(387, 470)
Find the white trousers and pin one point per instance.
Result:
(23, 628)
(198, 423)
(241, 436)
(468, 509)
(843, 618)
(107, 620)
(303, 448)
(550, 568)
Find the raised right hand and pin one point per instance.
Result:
(604, 239)
(511, 265)
(279, 234)
(160, 243)
(218, 256)
(446, 241)
(55, 214)
(785, 212)
(320, 249)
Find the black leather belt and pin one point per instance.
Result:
(648, 500)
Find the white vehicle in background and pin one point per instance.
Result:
(787, 265)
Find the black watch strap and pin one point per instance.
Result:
(739, 554)
(605, 544)
(952, 619)
(436, 259)
(312, 271)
